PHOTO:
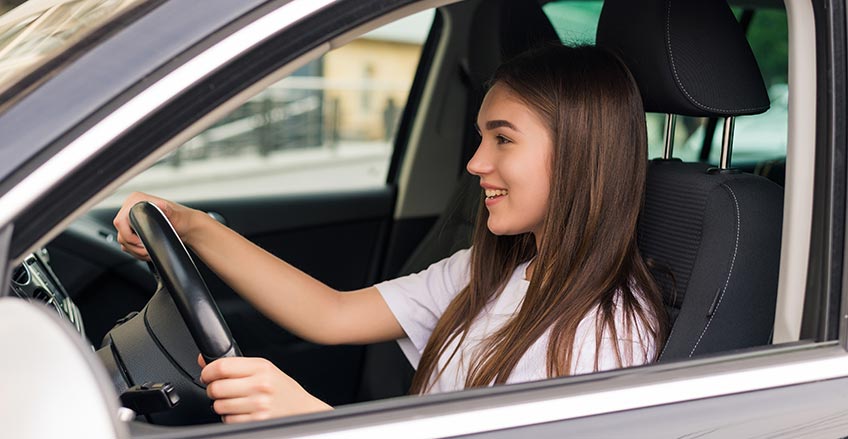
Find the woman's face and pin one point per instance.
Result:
(513, 163)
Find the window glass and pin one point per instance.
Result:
(330, 126)
(688, 137)
(760, 137)
(576, 22)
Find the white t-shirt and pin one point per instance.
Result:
(418, 300)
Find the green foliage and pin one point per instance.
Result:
(769, 39)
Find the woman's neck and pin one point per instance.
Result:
(529, 271)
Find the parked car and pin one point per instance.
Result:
(96, 92)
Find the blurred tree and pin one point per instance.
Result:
(769, 39)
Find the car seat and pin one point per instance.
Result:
(711, 235)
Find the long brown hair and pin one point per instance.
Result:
(587, 256)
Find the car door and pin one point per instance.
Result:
(749, 393)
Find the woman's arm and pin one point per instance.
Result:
(291, 298)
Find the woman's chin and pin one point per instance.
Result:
(501, 230)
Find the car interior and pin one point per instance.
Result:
(711, 230)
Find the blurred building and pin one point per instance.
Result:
(353, 94)
(369, 79)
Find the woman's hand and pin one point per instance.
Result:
(253, 389)
(179, 216)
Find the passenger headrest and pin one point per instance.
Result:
(502, 29)
(689, 57)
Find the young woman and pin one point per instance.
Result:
(553, 285)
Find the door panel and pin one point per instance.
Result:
(814, 410)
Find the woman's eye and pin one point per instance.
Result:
(501, 139)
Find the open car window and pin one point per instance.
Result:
(329, 126)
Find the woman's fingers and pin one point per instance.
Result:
(234, 419)
(233, 367)
(244, 389)
(130, 242)
(253, 404)
(235, 388)
(232, 406)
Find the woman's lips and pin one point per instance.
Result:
(491, 201)
(493, 194)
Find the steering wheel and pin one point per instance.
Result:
(177, 273)
(159, 344)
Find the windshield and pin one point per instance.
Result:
(38, 30)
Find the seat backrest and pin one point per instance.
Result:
(711, 237)
(714, 243)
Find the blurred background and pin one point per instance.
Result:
(328, 126)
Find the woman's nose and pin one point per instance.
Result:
(479, 164)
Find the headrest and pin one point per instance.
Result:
(502, 29)
(689, 57)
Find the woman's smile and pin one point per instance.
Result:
(493, 196)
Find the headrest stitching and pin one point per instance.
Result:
(677, 78)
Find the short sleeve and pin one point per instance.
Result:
(419, 300)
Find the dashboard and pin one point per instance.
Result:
(35, 280)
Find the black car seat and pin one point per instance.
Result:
(774, 170)
(500, 30)
(712, 235)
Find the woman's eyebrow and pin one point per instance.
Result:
(492, 124)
